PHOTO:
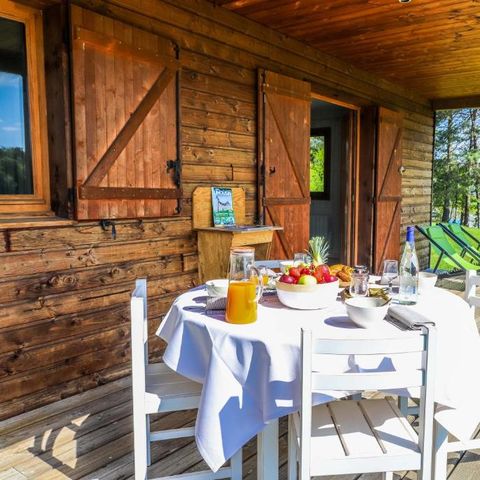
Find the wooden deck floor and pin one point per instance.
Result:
(89, 436)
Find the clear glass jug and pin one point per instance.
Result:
(244, 286)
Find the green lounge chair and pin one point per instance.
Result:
(456, 233)
(446, 251)
(474, 234)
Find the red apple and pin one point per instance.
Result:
(288, 279)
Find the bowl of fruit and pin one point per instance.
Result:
(307, 287)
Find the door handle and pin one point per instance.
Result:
(272, 170)
(401, 170)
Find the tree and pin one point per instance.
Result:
(15, 177)
(317, 164)
(456, 172)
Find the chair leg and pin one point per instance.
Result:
(387, 476)
(140, 450)
(236, 465)
(403, 405)
(292, 451)
(440, 453)
(149, 444)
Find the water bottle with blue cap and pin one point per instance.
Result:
(408, 271)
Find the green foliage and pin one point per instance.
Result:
(456, 168)
(317, 164)
(15, 174)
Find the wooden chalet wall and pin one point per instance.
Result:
(64, 290)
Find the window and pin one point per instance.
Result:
(320, 163)
(23, 157)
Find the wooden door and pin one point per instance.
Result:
(388, 187)
(125, 117)
(284, 145)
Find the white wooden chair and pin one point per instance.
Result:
(362, 436)
(268, 263)
(158, 389)
(442, 444)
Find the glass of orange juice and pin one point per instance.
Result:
(245, 286)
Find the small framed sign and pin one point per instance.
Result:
(222, 206)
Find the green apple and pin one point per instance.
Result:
(307, 280)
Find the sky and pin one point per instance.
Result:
(12, 132)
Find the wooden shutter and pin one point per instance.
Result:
(125, 115)
(284, 135)
(365, 182)
(388, 187)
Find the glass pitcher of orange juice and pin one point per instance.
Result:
(244, 286)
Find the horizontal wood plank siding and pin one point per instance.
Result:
(64, 291)
(64, 303)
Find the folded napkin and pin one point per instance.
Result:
(408, 317)
(216, 303)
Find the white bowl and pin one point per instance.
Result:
(217, 287)
(426, 281)
(307, 297)
(366, 312)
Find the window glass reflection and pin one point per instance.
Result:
(15, 150)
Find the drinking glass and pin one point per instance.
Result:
(245, 286)
(359, 283)
(267, 275)
(299, 258)
(390, 273)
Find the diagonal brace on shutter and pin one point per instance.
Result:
(281, 234)
(381, 196)
(129, 129)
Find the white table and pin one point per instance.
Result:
(251, 374)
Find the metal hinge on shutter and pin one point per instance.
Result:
(176, 167)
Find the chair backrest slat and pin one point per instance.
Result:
(367, 381)
(411, 343)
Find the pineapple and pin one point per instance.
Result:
(318, 249)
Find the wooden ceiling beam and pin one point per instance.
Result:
(456, 102)
(40, 4)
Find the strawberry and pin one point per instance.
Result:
(295, 272)
(318, 275)
(324, 269)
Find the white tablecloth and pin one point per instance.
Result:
(251, 373)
